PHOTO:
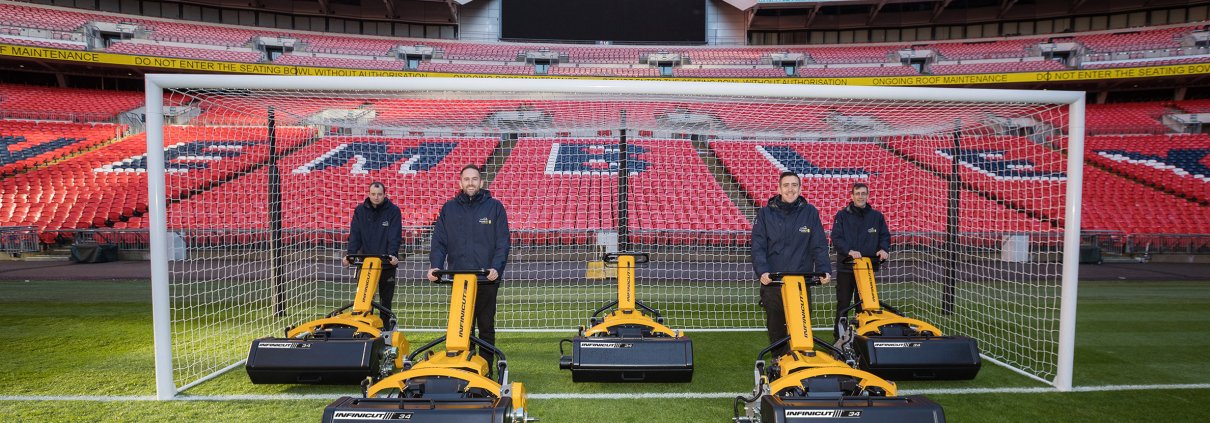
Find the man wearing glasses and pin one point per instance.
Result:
(858, 231)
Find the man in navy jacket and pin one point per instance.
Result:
(787, 237)
(377, 228)
(472, 233)
(858, 231)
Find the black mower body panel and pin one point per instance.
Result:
(417, 410)
(919, 357)
(910, 409)
(329, 361)
(615, 359)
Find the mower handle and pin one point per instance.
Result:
(385, 257)
(613, 257)
(451, 273)
(777, 276)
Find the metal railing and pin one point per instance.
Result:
(1110, 242)
(1168, 244)
(56, 115)
(19, 239)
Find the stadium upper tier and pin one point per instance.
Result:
(70, 104)
(53, 27)
(149, 49)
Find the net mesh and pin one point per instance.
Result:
(973, 194)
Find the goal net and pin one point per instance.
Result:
(253, 181)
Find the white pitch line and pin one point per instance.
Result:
(667, 395)
(102, 398)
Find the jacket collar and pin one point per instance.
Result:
(386, 202)
(776, 203)
(853, 209)
(479, 197)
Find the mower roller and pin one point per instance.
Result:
(628, 345)
(344, 348)
(886, 343)
(454, 385)
(805, 383)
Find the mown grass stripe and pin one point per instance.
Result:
(667, 395)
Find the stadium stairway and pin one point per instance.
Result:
(726, 180)
(496, 160)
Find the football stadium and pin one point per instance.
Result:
(605, 210)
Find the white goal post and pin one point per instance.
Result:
(997, 262)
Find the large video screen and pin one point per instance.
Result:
(658, 21)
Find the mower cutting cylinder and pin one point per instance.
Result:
(893, 346)
(345, 347)
(630, 344)
(907, 358)
(422, 410)
(909, 409)
(601, 359)
(328, 361)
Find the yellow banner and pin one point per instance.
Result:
(920, 80)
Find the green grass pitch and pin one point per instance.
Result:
(94, 339)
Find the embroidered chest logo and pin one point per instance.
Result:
(804, 230)
(485, 221)
(385, 223)
(872, 230)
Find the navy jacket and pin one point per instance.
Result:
(789, 238)
(376, 230)
(862, 230)
(471, 233)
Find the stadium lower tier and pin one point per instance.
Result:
(564, 190)
(570, 186)
(1174, 163)
(1011, 170)
(99, 188)
(912, 199)
(26, 144)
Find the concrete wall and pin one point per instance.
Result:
(725, 25)
(480, 21)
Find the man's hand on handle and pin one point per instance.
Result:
(348, 260)
(883, 255)
(854, 254)
(825, 279)
(433, 277)
(492, 275)
(394, 260)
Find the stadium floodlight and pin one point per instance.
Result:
(252, 180)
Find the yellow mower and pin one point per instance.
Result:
(345, 347)
(805, 383)
(454, 385)
(888, 344)
(628, 345)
